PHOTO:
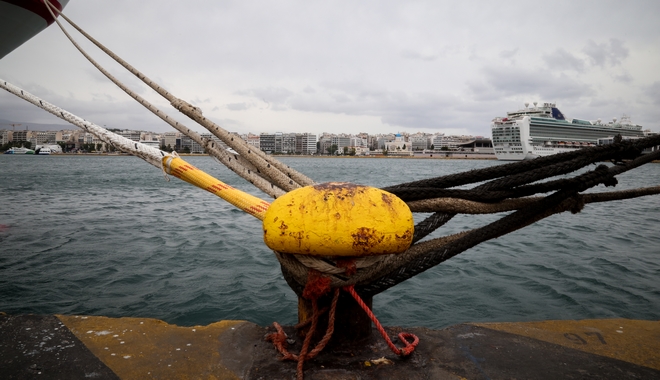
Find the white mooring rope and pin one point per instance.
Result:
(236, 163)
(150, 154)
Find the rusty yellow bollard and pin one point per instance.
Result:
(339, 221)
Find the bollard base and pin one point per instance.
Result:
(352, 324)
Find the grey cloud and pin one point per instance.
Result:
(653, 93)
(276, 96)
(509, 81)
(560, 59)
(409, 54)
(508, 54)
(624, 78)
(602, 54)
(237, 106)
(483, 92)
(396, 108)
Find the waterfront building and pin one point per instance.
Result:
(358, 141)
(130, 134)
(193, 146)
(382, 140)
(5, 137)
(47, 137)
(305, 143)
(325, 143)
(478, 145)
(419, 141)
(449, 142)
(21, 136)
(399, 147)
(362, 151)
(218, 143)
(252, 140)
(169, 140)
(341, 142)
(288, 143)
(267, 142)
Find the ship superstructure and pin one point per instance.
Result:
(543, 130)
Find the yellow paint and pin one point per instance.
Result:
(142, 348)
(633, 341)
(338, 219)
(242, 200)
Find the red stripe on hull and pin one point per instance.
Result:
(37, 7)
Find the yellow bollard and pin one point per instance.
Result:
(338, 219)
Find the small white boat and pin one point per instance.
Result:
(44, 151)
(19, 151)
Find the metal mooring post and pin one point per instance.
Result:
(352, 324)
(344, 221)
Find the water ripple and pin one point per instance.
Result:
(108, 236)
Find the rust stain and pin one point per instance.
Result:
(365, 239)
(336, 186)
(337, 216)
(298, 236)
(387, 199)
(340, 190)
(283, 228)
(405, 237)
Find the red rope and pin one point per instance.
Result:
(403, 337)
(316, 286)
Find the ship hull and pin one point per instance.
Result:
(21, 20)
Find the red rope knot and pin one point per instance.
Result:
(279, 341)
(403, 337)
(409, 347)
(349, 266)
(317, 285)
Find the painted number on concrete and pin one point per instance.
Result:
(575, 338)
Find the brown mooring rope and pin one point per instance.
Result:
(512, 192)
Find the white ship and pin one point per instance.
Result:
(16, 150)
(543, 130)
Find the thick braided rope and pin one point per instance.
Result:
(590, 156)
(284, 176)
(244, 201)
(511, 169)
(422, 256)
(235, 163)
(560, 201)
(503, 191)
(173, 165)
(462, 206)
(263, 163)
(430, 224)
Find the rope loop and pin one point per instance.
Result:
(403, 337)
(317, 286)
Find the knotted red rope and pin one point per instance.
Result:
(316, 287)
(403, 337)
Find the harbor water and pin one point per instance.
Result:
(109, 235)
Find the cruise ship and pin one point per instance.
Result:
(543, 130)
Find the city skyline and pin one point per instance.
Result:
(348, 67)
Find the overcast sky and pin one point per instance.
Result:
(349, 66)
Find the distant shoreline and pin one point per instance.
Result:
(441, 156)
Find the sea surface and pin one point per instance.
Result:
(109, 235)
